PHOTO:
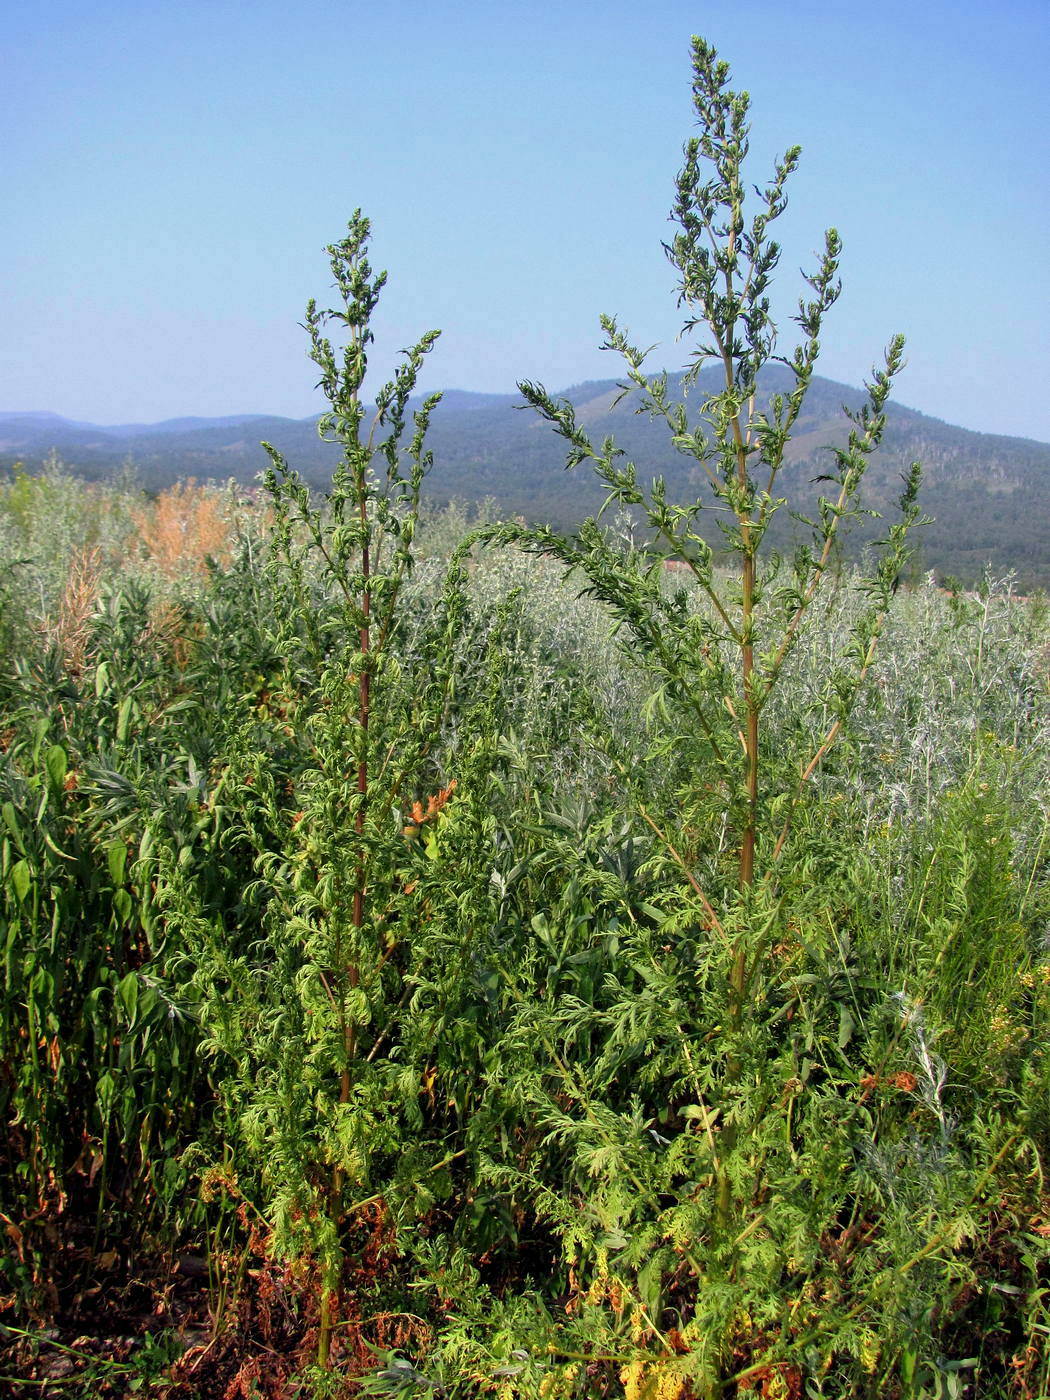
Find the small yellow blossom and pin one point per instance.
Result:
(643, 1380)
(870, 1349)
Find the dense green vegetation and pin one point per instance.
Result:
(535, 1137)
(446, 958)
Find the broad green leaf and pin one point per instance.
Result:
(106, 1093)
(117, 860)
(10, 816)
(847, 1025)
(40, 729)
(21, 879)
(128, 994)
(127, 706)
(57, 763)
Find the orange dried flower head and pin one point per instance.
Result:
(421, 814)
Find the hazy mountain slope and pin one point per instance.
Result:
(990, 495)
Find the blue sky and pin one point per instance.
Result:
(172, 175)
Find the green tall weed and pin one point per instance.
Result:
(705, 1104)
(344, 803)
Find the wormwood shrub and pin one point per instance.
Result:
(720, 670)
(355, 974)
(737, 1189)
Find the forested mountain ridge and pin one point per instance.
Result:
(989, 494)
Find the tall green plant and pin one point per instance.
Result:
(717, 665)
(722, 668)
(366, 513)
(326, 783)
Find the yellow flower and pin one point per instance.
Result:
(870, 1349)
(643, 1380)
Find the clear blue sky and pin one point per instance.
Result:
(172, 173)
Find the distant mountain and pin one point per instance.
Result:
(36, 434)
(990, 495)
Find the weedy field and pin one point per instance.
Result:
(446, 958)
